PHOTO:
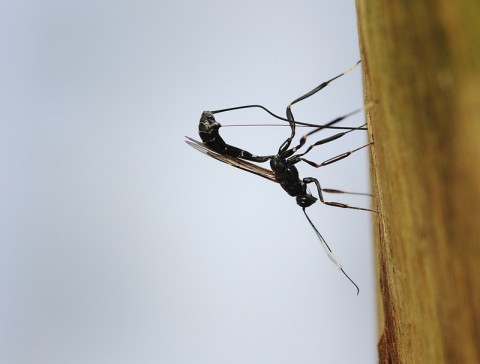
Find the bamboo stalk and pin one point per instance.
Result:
(421, 62)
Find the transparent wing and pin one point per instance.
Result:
(233, 161)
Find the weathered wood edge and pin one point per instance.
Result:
(421, 63)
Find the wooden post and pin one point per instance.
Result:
(421, 63)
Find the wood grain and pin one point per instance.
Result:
(421, 63)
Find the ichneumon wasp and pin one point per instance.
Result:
(282, 164)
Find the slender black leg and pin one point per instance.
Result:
(324, 126)
(286, 144)
(308, 180)
(329, 139)
(334, 190)
(333, 159)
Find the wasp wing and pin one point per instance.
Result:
(233, 161)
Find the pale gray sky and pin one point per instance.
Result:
(119, 243)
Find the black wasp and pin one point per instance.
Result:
(282, 164)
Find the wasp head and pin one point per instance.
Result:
(208, 127)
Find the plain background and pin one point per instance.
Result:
(121, 244)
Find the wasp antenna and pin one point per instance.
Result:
(329, 251)
(350, 279)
